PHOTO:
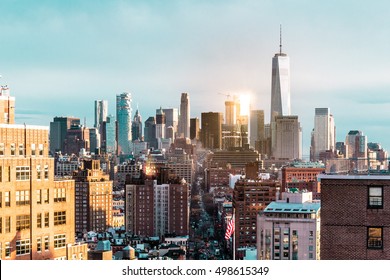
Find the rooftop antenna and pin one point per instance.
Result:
(280, 40)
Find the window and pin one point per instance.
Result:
(59, 218)
(22, 247)
(22, 197)
(1, 149)
(7, 224)
(22, 222)
(46, 243)
(375, 197)
(33, 149)
(7, 249)
(59, 241)
(22, 173)
(1, 199)
(59, 194)
(46, 195)
(47, 219)
(1, 224)
(21, 149)
(40, 148)
(12, 149)
(39, 244)
(46, 172)
(38, 172)
(1, 174)
(39, 196)
(374, 237)
(39, 220)
(7, 199)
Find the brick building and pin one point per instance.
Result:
(93, 198)
(355, 217)
(250, 197)
(36, 211)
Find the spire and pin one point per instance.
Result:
(280, 39)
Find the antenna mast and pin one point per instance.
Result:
(280, 40)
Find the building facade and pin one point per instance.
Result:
(355, 217)
(123, 118)
(324, 137)
(289, 229)
(36, 211)
(93, 198)
(250, 197)
(211, 130)
(184, 118)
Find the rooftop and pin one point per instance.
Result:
(285, 207)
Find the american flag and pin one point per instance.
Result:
(230, 228)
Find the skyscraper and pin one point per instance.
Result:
(323, 134)
(136, 129)
(288, 138)
(123, 117)
(211, 130)
(108, 135)
(256, 127)
(172, 120)
(58, 132)
(184, 120)
(280, 87)
(101, 111)
(160, 123)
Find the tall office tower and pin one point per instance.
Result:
(77, 140)
(123, 118)
(150, 132)
(323, 134)
(136, 129)
(93, 198)
(108, 141)
(280, 89)
(256, 128)
(58, 131)
(194, 128)
(286, 230)
(357, 149)
(288, 133)
(231, 112)
(101, 112)
(231, 129)
(211, 130)
(172, 119)
(94, 140)
(184, 119)
(160, 123)
(36, 211)
(250, 197)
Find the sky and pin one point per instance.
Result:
(57, 57)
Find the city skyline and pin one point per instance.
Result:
(58, 58)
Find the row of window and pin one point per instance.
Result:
(21, 149)
(23, 221)
(23, 173)
(23, 197)
(23, 246)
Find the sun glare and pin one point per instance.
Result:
(244, 105)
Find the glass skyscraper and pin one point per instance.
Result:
(123, 118)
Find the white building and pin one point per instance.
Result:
(324, 132)
(289, 229)
(288, 138)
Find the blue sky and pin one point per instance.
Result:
(57, 57)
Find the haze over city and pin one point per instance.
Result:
(57, 58)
